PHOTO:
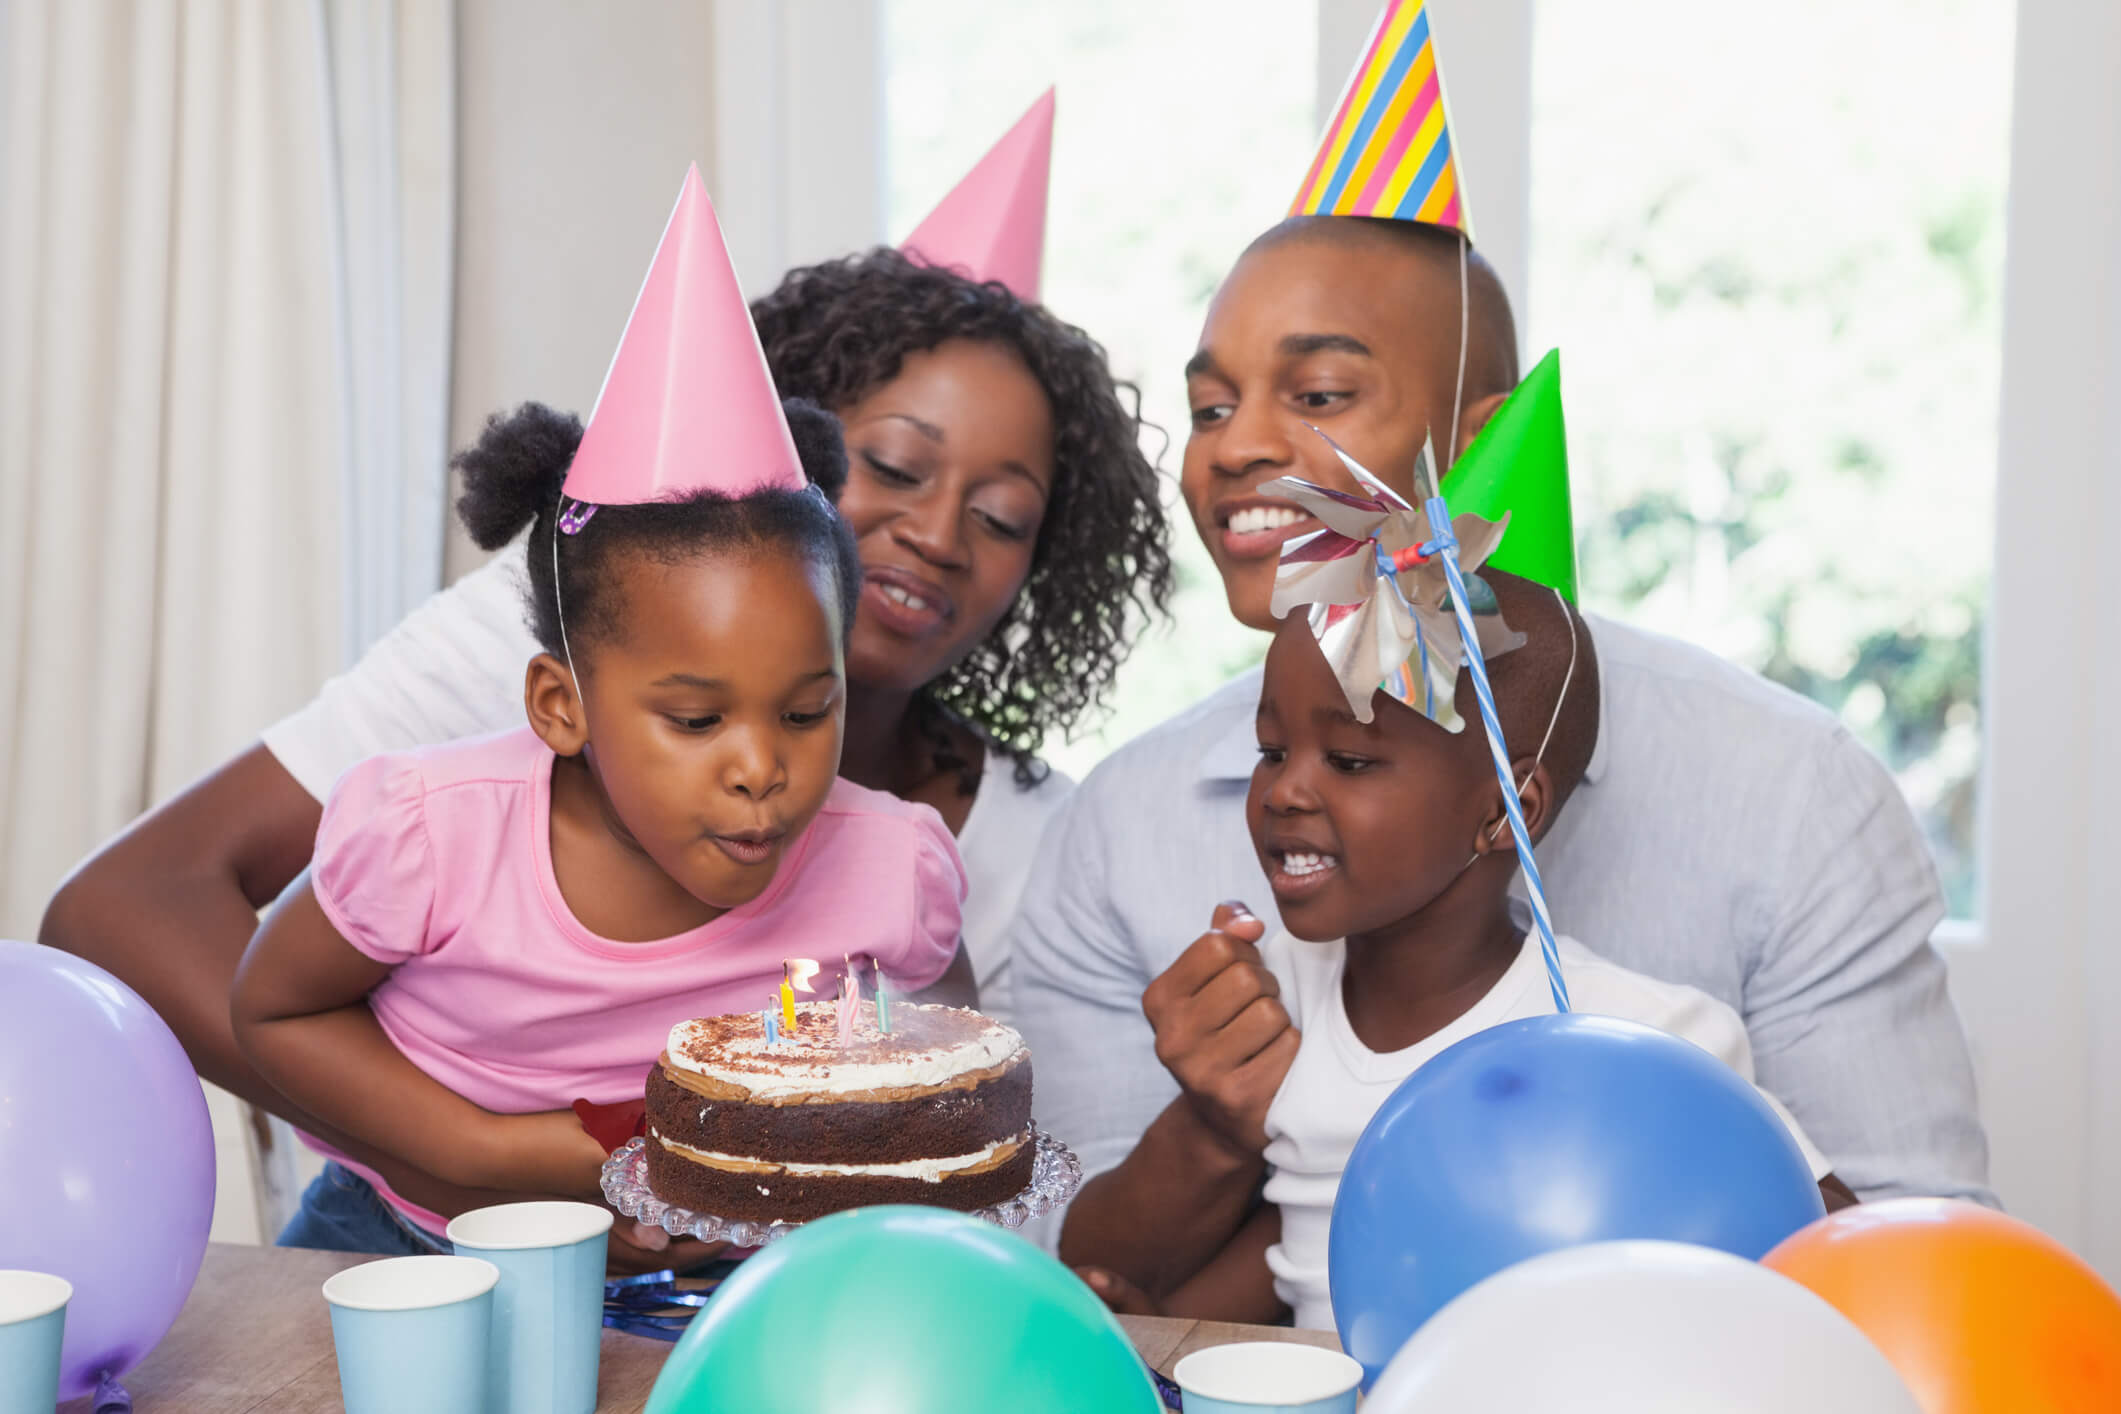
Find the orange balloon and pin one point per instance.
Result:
(1980, 1313)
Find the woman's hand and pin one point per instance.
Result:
(638, 1247)
(546, 1152)
(550, 1152)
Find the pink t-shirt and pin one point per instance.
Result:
(439, 862)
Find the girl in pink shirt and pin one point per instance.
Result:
(496, 928)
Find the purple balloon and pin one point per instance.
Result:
(106, 1156)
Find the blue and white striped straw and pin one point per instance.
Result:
(1445, 547)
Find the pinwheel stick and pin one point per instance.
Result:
(1445, 547)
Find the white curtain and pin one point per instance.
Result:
(392, 83)
(225, 272)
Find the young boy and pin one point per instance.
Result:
(1390, 860)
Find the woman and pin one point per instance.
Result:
(1009, 526)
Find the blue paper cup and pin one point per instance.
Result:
(548, 1314)
(32, 1326)
(1266, 1377)
(412, 1334)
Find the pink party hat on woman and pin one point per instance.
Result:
(688, 404)
(992, 225)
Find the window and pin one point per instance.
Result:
(1770, 249)
(1181, 132)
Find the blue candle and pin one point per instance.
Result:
(773, 1026)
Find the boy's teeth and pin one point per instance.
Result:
(899, 596)
(1254, 518)
(1302, 864)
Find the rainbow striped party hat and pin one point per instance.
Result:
(1387, 151)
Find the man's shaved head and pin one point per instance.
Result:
(1491, 329)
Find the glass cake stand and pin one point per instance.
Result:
(1055, 1175)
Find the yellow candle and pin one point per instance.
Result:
(787, 1008)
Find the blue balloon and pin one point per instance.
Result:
(1546, 1133)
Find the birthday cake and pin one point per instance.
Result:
(936, 1111)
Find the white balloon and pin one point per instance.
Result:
(1639, 1328)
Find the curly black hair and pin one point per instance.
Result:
(834, 331)
(513, 475)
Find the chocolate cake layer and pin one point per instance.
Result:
(824, 1130)
(781, 1196)
(937, 1110)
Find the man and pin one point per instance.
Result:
(1728, 834)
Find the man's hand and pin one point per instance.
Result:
(1221, 1029)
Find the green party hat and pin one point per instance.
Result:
(1519, 464)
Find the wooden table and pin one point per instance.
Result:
(256, 1336)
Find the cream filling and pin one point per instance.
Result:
(928, 1170)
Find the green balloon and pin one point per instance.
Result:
(903, 1310)
(1520, 463)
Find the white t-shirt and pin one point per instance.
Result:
(454, 668)
(1336, 1083)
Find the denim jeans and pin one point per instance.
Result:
(342, 1212)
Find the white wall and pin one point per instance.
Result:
(576, 123)
(1488, 86)
(799, 164)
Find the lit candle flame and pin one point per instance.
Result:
(798, 971)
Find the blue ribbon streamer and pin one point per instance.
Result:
(641, 1304)
(1445, 547)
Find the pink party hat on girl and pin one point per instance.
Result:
(687, 404)
(992, 225)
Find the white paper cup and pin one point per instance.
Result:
(412, 1334)
(548, 1310)
(1268, 1377)
(32, 1328)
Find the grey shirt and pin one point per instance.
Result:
(1728, 835)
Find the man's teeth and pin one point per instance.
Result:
(1299, 865)
(899, 596)
(1254, 518)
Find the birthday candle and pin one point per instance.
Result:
(883, 1006)
(846, 1011)
(796, 973)
(772, 1027)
